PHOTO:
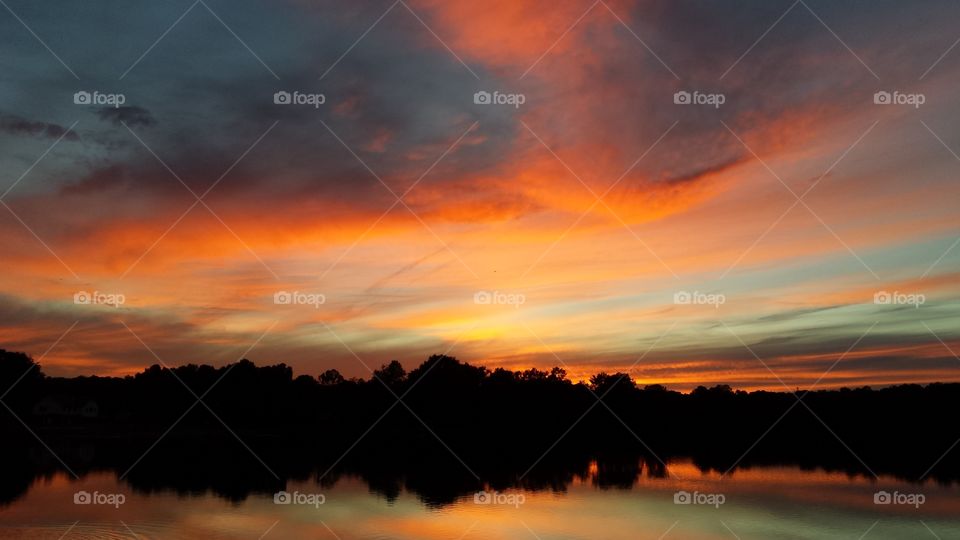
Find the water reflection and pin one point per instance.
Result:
(610, 499)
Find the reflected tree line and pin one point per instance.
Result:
(446, 428)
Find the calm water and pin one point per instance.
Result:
(756, 503)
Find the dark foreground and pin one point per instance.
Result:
(447, 429)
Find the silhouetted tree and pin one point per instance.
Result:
(533, 375)
(330, 377)
(445, 371)
(502, 376)
(16, 366)
(602, 383)
(391, 374)
(558, 374)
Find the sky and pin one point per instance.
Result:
(760, 193)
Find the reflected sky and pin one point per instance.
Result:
(758, 503)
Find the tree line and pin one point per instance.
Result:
(451, 408)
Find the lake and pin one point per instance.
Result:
(759, 502)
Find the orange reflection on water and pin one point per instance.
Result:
(782, 502)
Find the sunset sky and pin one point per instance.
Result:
(399, 199)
